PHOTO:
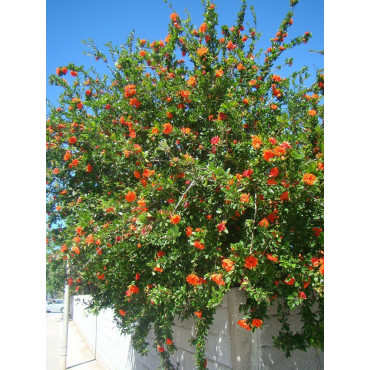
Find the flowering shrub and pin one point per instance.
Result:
(174, 181)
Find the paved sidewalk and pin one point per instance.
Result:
(79, 355)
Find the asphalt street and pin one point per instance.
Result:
(79, 356)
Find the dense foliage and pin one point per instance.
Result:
(172, 181)
(55, 275)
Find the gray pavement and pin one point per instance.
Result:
(79, 355)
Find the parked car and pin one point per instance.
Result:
(57, 305)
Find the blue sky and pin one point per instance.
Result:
(69, 22)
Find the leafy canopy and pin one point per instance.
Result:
(172, 181)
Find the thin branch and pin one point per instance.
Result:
(254, 218)
(182, 197)
(94, 255)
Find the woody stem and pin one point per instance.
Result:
(254, 218)
(191, 184)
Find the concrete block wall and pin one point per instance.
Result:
(228, 345)
(113, 350)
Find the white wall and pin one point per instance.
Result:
(228, 345)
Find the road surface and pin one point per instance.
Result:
(79, 356)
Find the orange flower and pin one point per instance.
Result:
(76, 249)
(169, 341)
(230, 45)
(72, 140)
(321, 268)
(271, 257)
(192, 81)
(240, 67)
(219, 72)
(76, 239)
(264, 222)
(174, 17)
(199, 245)
(312, 112)
(198, 313)
(278, 151)
(221, 226)
(274, 172)
(89, 239)
(217, 278)
(141, 202)
(175, 219)
(79, 230)
(122, 313)
(244, 198)
(309, 178)
(273, 106)
(251, 262)
(130, 90)
(320, 166)
(256, 142)
(189, 231)
(89, 168)
(221, 116)
(160, 348)
(55, 171)
(154, 131)
(317, 230)
(289, 280)
(67, 156)
(257, 323)
(148, 173)
(202, 51)
(167, 128)
(271, 182)
(134, 102)
(203, 27)
(284, 196)
(75, 162)
(228, 265)
(243, 323)
(158, 269)
(137, 174)
(186, 130)
(63, 248)
(193, 279)
(130, 196)
(133, 289)
(142, 53)
(268, 154)
(185, 93)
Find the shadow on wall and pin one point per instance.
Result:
(229, 347)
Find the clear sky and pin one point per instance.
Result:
(69, 22)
